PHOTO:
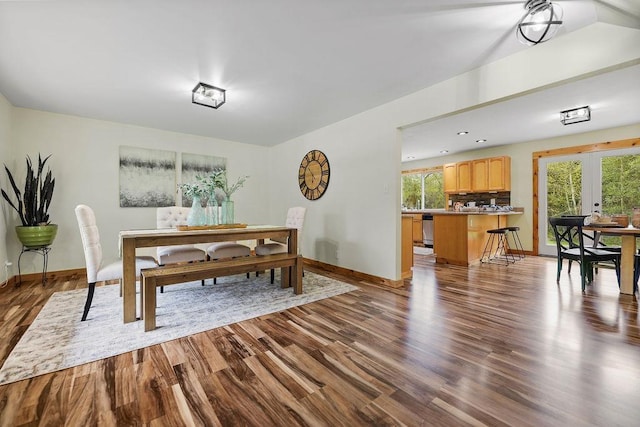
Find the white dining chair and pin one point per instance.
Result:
(227, 250)
(295, 219)
(97, 269)
(171, 217)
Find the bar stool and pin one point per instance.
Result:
(517, 244)
(497, 237)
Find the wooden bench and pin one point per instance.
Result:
(174, 274)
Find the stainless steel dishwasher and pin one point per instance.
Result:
(427, 230)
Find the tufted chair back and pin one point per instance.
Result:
(171, 216)
(90, 241)
(97, 271)
(295, 219)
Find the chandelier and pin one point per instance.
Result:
(540, 23)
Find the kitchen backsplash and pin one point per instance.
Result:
(502, 198)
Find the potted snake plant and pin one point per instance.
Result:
(32, 205)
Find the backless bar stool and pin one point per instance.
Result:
(497, 237)
(517, 244)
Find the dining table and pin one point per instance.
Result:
(628, 237)
(130, 240)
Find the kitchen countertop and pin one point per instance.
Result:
(444, 212)
(478, 213)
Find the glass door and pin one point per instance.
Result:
(607, 182)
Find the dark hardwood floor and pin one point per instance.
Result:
(488, 345)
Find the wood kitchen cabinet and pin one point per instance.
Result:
(417, 229)
(479, 175)
(499, 175)
(460, 239)
(457, 177)
(464, 176)
(450, 178)
(407, 245)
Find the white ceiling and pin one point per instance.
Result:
(289, 66)
(614, 99)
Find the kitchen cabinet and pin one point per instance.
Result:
(457, 177)
(450, 178)
(479, 175)
(459, 239)
(463, 170)
(407, 245)
(499, 175)
(417, 229)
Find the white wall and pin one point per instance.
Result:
(84, 161)
(5, 158)
(522, 167)
(350, 224)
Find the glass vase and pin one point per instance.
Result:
(212, 211)
(227, 211)
(197, 214)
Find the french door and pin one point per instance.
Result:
(607, 182)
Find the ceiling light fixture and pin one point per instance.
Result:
(464, 132)
(481, 140)
(576, 115)
(207, 95)
(540, 23)
(444, 151)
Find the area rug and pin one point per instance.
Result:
(58, 340)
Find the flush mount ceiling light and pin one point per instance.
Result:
(464, 132)
(540, 23)
(576, 115)
(207, 95)
(481, 140)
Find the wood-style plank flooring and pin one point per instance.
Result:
(485, 345)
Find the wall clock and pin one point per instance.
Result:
(313, 175)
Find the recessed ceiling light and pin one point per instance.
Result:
(464, 132)
(410, 157)
(444, 151)
(481, 140)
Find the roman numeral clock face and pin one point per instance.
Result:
(313, 176)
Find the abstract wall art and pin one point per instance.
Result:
(147, 177)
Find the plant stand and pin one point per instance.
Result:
(42, 250)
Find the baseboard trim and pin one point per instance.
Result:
(72, 274)
(77, 273)
(358, 275)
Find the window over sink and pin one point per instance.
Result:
(423, 189)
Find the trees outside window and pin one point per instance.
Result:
(423, 190)
(564, 188)
(620, 189)
(620, 184)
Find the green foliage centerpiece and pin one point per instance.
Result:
(197, 215)
(32, 205)
(206, 188)
(218, 179)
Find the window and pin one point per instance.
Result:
(423, 189)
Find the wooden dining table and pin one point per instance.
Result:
(130, 240)
(628, 252)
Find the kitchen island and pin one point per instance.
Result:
(460, 237)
